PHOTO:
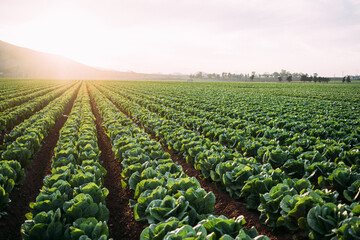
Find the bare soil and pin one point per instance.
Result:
(2, 136)
(225, 205)
(122, 224)
(29, 188)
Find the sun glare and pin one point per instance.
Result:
(63, 32)
(190, 36)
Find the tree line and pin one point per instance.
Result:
(283, 75)
(233, 76)
(314, 78)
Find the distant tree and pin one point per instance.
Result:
(284, 73)
(252, 76)
(315, 78)
(199, 75)
(348, 80)
(276, 75)
(297, 75)
(265, 75)
(303, 78)
(344, 79)
(289, 78)
(280, 78)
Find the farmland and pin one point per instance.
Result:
(169, 160)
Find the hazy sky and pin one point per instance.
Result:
(187, 36)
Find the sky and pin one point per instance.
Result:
(188, 36)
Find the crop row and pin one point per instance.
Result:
(24, 141)
(253, 140)
(312, 93)
(295, 155)
(310, 148)
(9, 86)
(265, 115)
(328, 92)
(280, 198)
(22, 92)
(256, 106)
(250, 144)
(71, 204)
(175, 205)
(12, 101)
(13, 116)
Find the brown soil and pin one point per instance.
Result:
(225, 205)
(29, 188)
(2, 136)
(122, 224)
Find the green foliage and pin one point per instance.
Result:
(10, 173)
(160, 210)
(213, 124)
(187, 232)
(73, 190)
(234, 174)
(270, 202)
(212, 227)
(87, 228)
(260, 184)
(324, 220)
(163, 194)
(45, 225)
(294, 210)
(352, 193)
(343, 180)
(350, 229)
(158, 231)
(276, 158)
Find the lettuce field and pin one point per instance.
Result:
(179, 160)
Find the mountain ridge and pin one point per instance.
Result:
(20, 62)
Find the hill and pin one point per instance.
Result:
(19, 62)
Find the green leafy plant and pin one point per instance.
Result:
(325, 219)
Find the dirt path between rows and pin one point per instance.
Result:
(2, 136)
(225, 205)
(122, 224)
(29, 189)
